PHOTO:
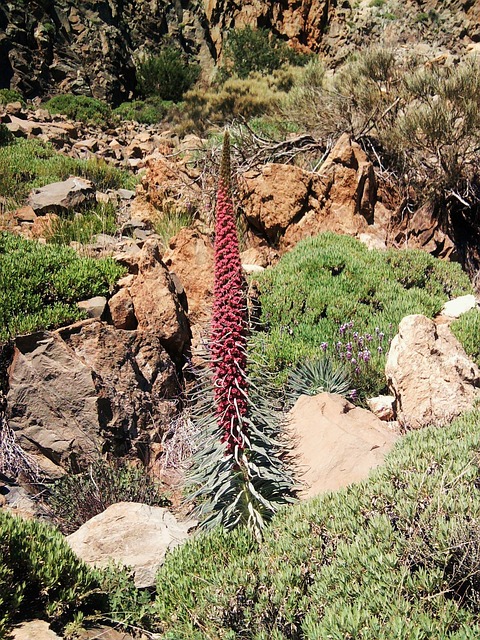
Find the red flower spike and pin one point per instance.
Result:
(229, 320)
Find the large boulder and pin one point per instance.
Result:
(132, 534)
(86, 389)
(59, 197)
(288, 204)
(429, 373)
(336, 443)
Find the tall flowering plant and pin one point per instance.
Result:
(228, 341)
(240, 470)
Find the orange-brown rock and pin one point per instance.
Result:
(122, 310)
(423, 230)
(288, 204)
(157, 307)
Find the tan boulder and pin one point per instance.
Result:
(34, 629)
(429, 373)
(135, 535)
(157, 307)
(336, 443)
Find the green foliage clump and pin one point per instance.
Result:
(79, 108)
(40, 576)
(249, 50)
(82, 227)
(41, 284)
(316, 376)
(76, 498)
(329, 280)
(28, 164)
(10, 95)
(6, 137)
(168, 75)
(150, 111)
(467, 330)
(356, 563)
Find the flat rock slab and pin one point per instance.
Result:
(133, 534)
(34, 630)
(59, 197)
(336, 443)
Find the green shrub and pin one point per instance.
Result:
(168, 75)
(41, 284)
(40, 576)
(79, 108)
(74, 499)
(356, 563)
(28, 164)
(10, 95)
(82, 227)
(330, 280)
(249, 50)
(6, 137)
(467, 330)
(150, 111)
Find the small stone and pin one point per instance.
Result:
(458, 306)
(94, 306)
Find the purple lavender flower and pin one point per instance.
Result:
(324, 346)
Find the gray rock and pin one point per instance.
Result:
(458, 306)
(135, 535)
(93, 306)
(62, 196)
(89, 388)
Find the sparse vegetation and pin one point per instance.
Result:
(76, 498)
(82, 227)
(42, 284)
(171, 220)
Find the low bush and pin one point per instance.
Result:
(168, 75)
(328, 281)
(79, 108)
(40, 576)
(28, 164)
(357, 563)
(150, 111)
(467, 330)
(10, 95)
(76, 498)
(249, 50)
(41, 284)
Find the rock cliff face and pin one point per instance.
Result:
(90, 47)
